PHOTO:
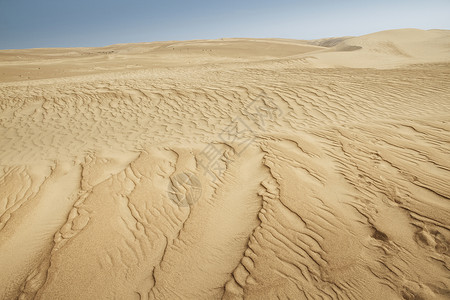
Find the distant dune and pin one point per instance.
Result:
(392, 48)
(227, 169)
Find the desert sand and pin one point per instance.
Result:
(227, 169)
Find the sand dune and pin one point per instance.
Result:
(231, 168)
(388, 49)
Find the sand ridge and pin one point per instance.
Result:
(227, 169)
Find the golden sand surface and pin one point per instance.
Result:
(227, 169)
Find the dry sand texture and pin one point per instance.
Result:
(233, 168)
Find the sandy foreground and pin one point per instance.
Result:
(231, 168)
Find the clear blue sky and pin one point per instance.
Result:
(78, 23)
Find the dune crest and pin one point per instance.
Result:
(388, 49)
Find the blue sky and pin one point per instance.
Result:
(80, 23)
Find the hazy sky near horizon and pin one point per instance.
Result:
(85, 23)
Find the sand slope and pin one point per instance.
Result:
(235, 168)
(387, 49)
